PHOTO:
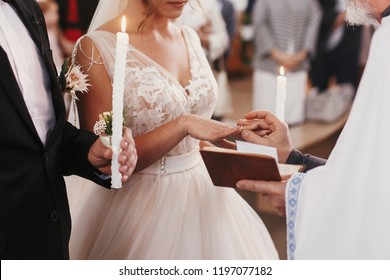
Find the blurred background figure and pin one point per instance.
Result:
(75, 17)
(206, 18)
(246, 32)
(229, 16)
(338, 48)
(220, 65)
(285, 35)
(58, 43)
(240, 6)
(366, 35)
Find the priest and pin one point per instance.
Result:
(341, 210)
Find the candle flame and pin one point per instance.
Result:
(281, 71)
(123, 26)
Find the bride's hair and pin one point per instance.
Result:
(150, 8)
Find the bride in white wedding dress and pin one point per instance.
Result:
(169, 208)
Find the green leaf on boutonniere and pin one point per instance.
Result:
(62, 77)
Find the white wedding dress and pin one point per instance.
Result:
(170, 210)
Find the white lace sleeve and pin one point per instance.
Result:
(93, 58)
(101, 51)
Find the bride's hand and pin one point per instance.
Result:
(206, 129)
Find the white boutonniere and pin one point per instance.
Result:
(72, 79)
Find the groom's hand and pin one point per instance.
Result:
(100, 156)
(264, 128)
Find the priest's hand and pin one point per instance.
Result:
(100, 156)
(264, 128)
(274, 191)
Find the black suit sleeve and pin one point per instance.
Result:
(76, 145)
(309, 161)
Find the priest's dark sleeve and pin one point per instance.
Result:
(309, 161)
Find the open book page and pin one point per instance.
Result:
(288, 169)
(250, 148)
(284, 169)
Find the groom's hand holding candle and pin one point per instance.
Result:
(100, 156)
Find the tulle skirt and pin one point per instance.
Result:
(171, 210)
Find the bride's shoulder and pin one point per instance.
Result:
(191, 34)
(94, 40)
(87, 51)
(188, 30)
(97, 35)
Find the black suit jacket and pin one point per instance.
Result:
(34, 214)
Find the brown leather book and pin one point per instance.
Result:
(226, 167)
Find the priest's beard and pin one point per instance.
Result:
(358, 13)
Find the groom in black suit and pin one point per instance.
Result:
(37, 145)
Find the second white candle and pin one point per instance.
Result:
(281, 92)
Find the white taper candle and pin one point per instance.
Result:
(281, 91)
(122, 42)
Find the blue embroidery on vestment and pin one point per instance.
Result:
(292, 202)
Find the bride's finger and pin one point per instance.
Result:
(226, 144)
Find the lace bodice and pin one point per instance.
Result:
(153, 95)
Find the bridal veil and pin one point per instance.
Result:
(105, 11)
